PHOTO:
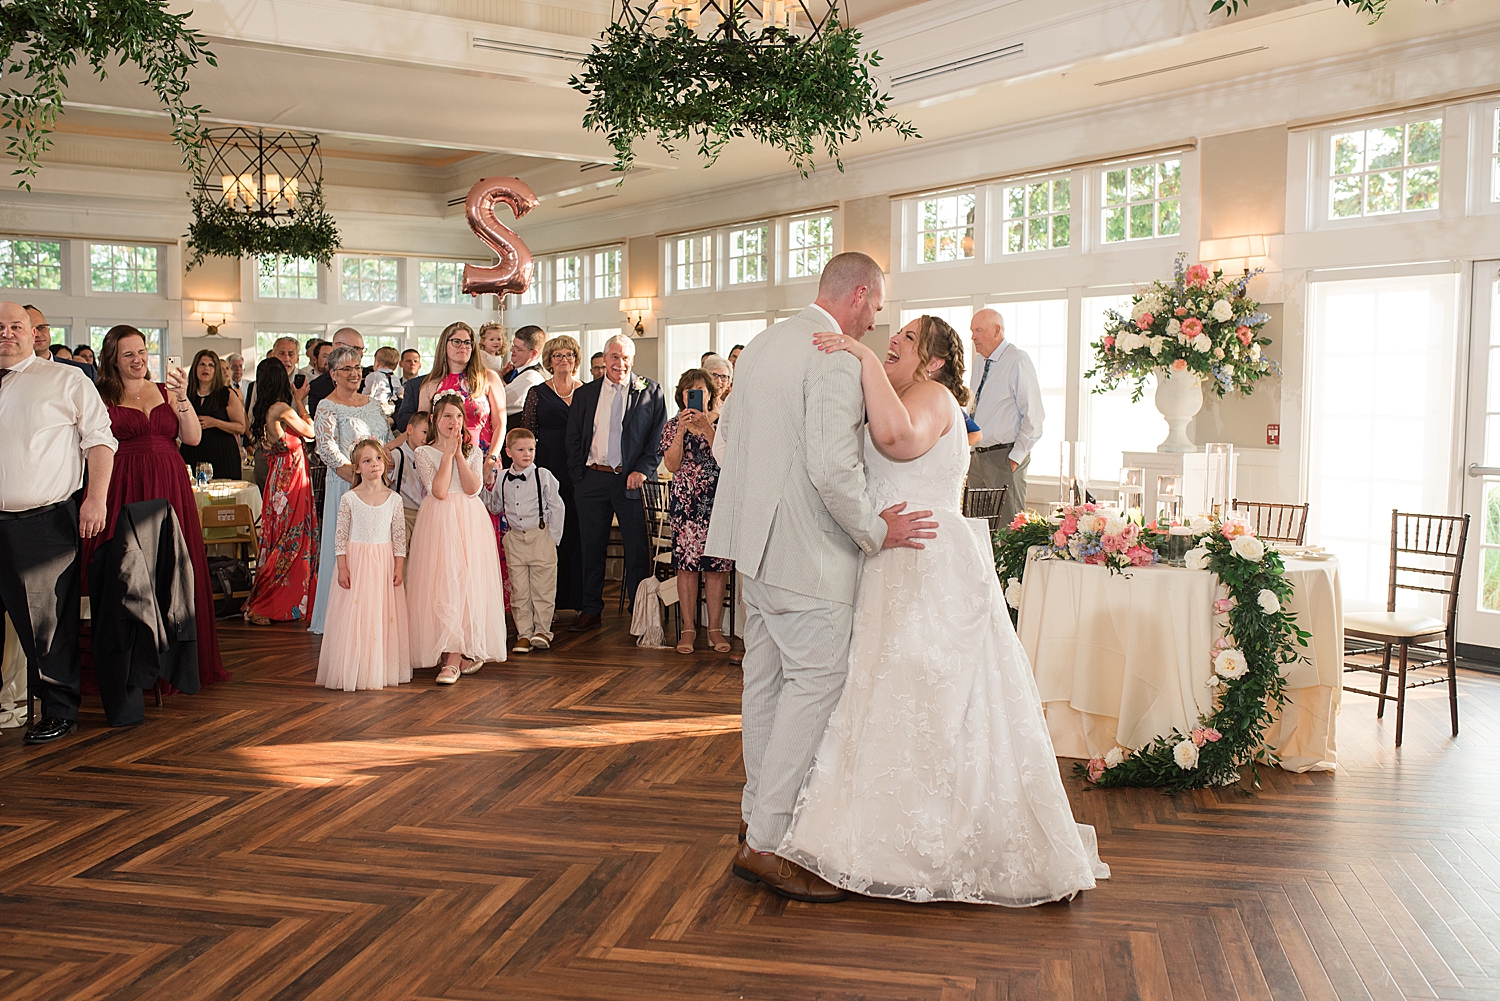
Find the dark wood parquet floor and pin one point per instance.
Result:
(561, 827)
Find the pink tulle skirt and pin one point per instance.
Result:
(365, 636)
(453, 576)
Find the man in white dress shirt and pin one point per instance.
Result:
(54, 423)
(1008, 410)
(526, 369)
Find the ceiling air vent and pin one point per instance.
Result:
(522, 49)
(917, 76)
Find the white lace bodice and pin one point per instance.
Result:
(338, 427)
(429, 460)
(370, 523)
(933, 481)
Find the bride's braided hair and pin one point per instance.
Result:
(936, 339)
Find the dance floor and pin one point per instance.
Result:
(561, 827)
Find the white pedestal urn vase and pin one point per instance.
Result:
(1179, 397)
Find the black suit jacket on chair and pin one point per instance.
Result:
(640, 431)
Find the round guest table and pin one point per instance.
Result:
(1123, 658)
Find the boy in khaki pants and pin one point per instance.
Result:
(533, 508)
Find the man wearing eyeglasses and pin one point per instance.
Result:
(323, 384)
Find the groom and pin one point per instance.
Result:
(792, 512)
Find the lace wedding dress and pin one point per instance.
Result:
(936, 779)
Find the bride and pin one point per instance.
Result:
(935, 779)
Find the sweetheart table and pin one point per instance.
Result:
(1123, 658)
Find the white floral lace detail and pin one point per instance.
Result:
(366, 523)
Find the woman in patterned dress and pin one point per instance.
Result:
(287, 570)
(456, 366)
(687, 450)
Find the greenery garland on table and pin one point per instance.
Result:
(219, 230)
(778, 88)
(43, 39)
(1260, 640)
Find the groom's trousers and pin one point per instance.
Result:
(796, 659)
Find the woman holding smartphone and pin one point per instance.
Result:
(687, 450)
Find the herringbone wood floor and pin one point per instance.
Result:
(561, 827)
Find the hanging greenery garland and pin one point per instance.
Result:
(1374, 8)
(656, 74)
(220, 231)
(43, 39)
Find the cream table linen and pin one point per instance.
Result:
(1122, 659)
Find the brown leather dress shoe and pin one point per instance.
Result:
(585, 622)
(786, 878)
(743, 828)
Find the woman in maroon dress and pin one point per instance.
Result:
(148, 420)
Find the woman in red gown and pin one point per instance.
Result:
(148, 419)
(286, 576)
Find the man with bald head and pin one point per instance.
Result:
(55, 424)
(323, 384)
(793, 511)
(1008, 409)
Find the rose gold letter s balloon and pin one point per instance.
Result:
(513, 273)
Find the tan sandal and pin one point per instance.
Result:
(720, 645)
(686, 642)
(448, 674)
(257, 620)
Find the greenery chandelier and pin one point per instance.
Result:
(260, 194)
(788, 73)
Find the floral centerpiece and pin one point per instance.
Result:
(1260, 637)
(1201, 323)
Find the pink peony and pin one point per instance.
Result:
(1211, 735)
(1180, 365)
(1109, 342)
(1198, 275)
(1019, 521)
(1059, 538)
(1144, 323)
(1141, 556)
(1233, 528)
(1097, 559)
(1192, 327)
(1180, 311)
(1069, 524)
(1096, 769)
(1243, 333)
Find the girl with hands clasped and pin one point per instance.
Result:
(365, 642)
(458, 622)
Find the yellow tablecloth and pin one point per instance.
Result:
(228, 492)
(1122, 659)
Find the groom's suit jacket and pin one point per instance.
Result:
(792, 509)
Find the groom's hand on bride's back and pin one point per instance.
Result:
(904, 528)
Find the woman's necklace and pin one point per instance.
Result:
(566, 398)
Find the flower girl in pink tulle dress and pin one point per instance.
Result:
(365, 641)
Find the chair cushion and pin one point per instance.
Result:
(1392, 623)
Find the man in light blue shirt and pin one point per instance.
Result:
(1007, 408)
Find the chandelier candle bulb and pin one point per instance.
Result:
(272, 188)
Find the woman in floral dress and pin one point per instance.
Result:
(287, 570)
(687, 450)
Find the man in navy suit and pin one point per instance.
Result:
(614, 429)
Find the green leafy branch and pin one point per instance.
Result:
(785, 91)
(43, 39)
(218, 230)
(1374, 8)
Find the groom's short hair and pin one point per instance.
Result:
(847, 272)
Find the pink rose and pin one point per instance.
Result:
(1113, 543)
(1223, 605)
(1192, 327)
(1198, 275)
(1069, 525)
(1131, 533)
(1141, 556)
(1211, 735)
(1198, 736)
(1059, 538)
(1096, 769)
(1144, 323)
(1097, 559)
(1180, 311)
(1243, 333)
(1019, 521)
(1109, 342)
(1180, 365)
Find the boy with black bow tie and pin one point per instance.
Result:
(533, 508)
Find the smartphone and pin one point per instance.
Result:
(695, 399)
(299, 380)
(174, 362)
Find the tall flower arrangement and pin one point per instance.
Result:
(1201, 322)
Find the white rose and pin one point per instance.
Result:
(1139, 310)
(1156, 343)
(1230, 664)
(1222, 311)
(1013, 593)
(1255, 350)
(1228, 370)
(1131, 341)
(1114, 756)
(1268, 601)
(1201, 525)
(1218, 352)
(1248, 547)
(1202, 342)
(1196, 558)
(1174, 328)
(1186, 755)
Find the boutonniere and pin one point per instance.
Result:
(640, 384)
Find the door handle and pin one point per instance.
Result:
(1475, 469)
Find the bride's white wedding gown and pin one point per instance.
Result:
(936, 779)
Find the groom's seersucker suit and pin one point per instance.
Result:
(793, 512)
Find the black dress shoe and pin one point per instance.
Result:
(49, 729)
(585, 622)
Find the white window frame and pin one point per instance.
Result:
(318, 274)
(594, 292)
(1078, 215)
(537, 294)
(380, 260)
(785, 248)
(767, 254)
(1322, 170)
(458, 296)
(161, 260)
(913, 227)
(1097, 205)
(673, 247)
(62, 261)
(559, 276)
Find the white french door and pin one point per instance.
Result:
(1479, 591)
